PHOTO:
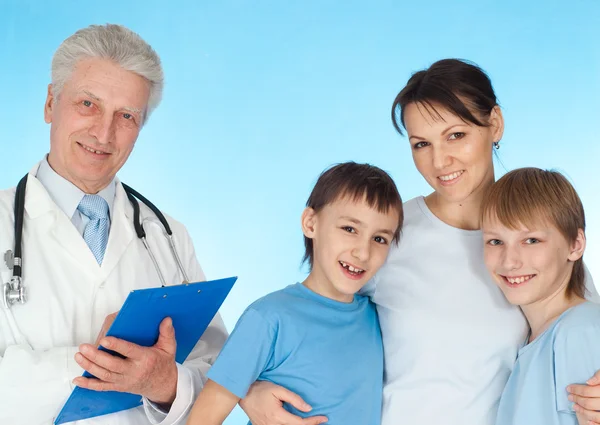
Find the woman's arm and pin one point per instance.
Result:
(213, 405)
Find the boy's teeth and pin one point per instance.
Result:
(349, 267)
(520, 279)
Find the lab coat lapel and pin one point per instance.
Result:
(121, 231)
(38, 205)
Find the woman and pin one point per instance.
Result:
(450, 337)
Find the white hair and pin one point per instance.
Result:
(114, 42)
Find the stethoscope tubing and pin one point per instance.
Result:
(132, 195)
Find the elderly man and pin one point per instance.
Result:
(80, 251)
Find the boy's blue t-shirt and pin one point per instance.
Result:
(568, 352)
(328, 352)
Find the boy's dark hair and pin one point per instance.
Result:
(457, 85)
(356, 182)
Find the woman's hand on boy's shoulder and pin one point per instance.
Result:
(587, 399)
(264, 406)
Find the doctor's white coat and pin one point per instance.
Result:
(69, 296)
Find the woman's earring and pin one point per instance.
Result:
(497, 145)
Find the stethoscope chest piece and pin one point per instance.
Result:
(13, 291)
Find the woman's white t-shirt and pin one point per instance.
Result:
(450, 337)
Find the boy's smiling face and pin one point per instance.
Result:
(351, 241)
(529, 265)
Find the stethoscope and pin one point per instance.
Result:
(14, 290)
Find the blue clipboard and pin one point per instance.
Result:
(191, 306)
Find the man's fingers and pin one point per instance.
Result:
(125, 348)
(94, 384)
(166, 337)
(96, 370)
(103, 359)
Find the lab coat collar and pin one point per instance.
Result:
(39, 203)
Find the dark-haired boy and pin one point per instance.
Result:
(319, 338)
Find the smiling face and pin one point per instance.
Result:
(454, 156)
(95, 122)
(351, 241)
(529, 265)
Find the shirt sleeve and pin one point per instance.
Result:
(576, 359)
(246, 354)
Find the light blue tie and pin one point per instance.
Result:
(96, 230)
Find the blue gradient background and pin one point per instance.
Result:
(261, 96)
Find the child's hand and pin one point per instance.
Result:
(264, 406)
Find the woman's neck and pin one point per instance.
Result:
(462, 215)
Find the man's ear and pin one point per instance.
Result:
(49, 105)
